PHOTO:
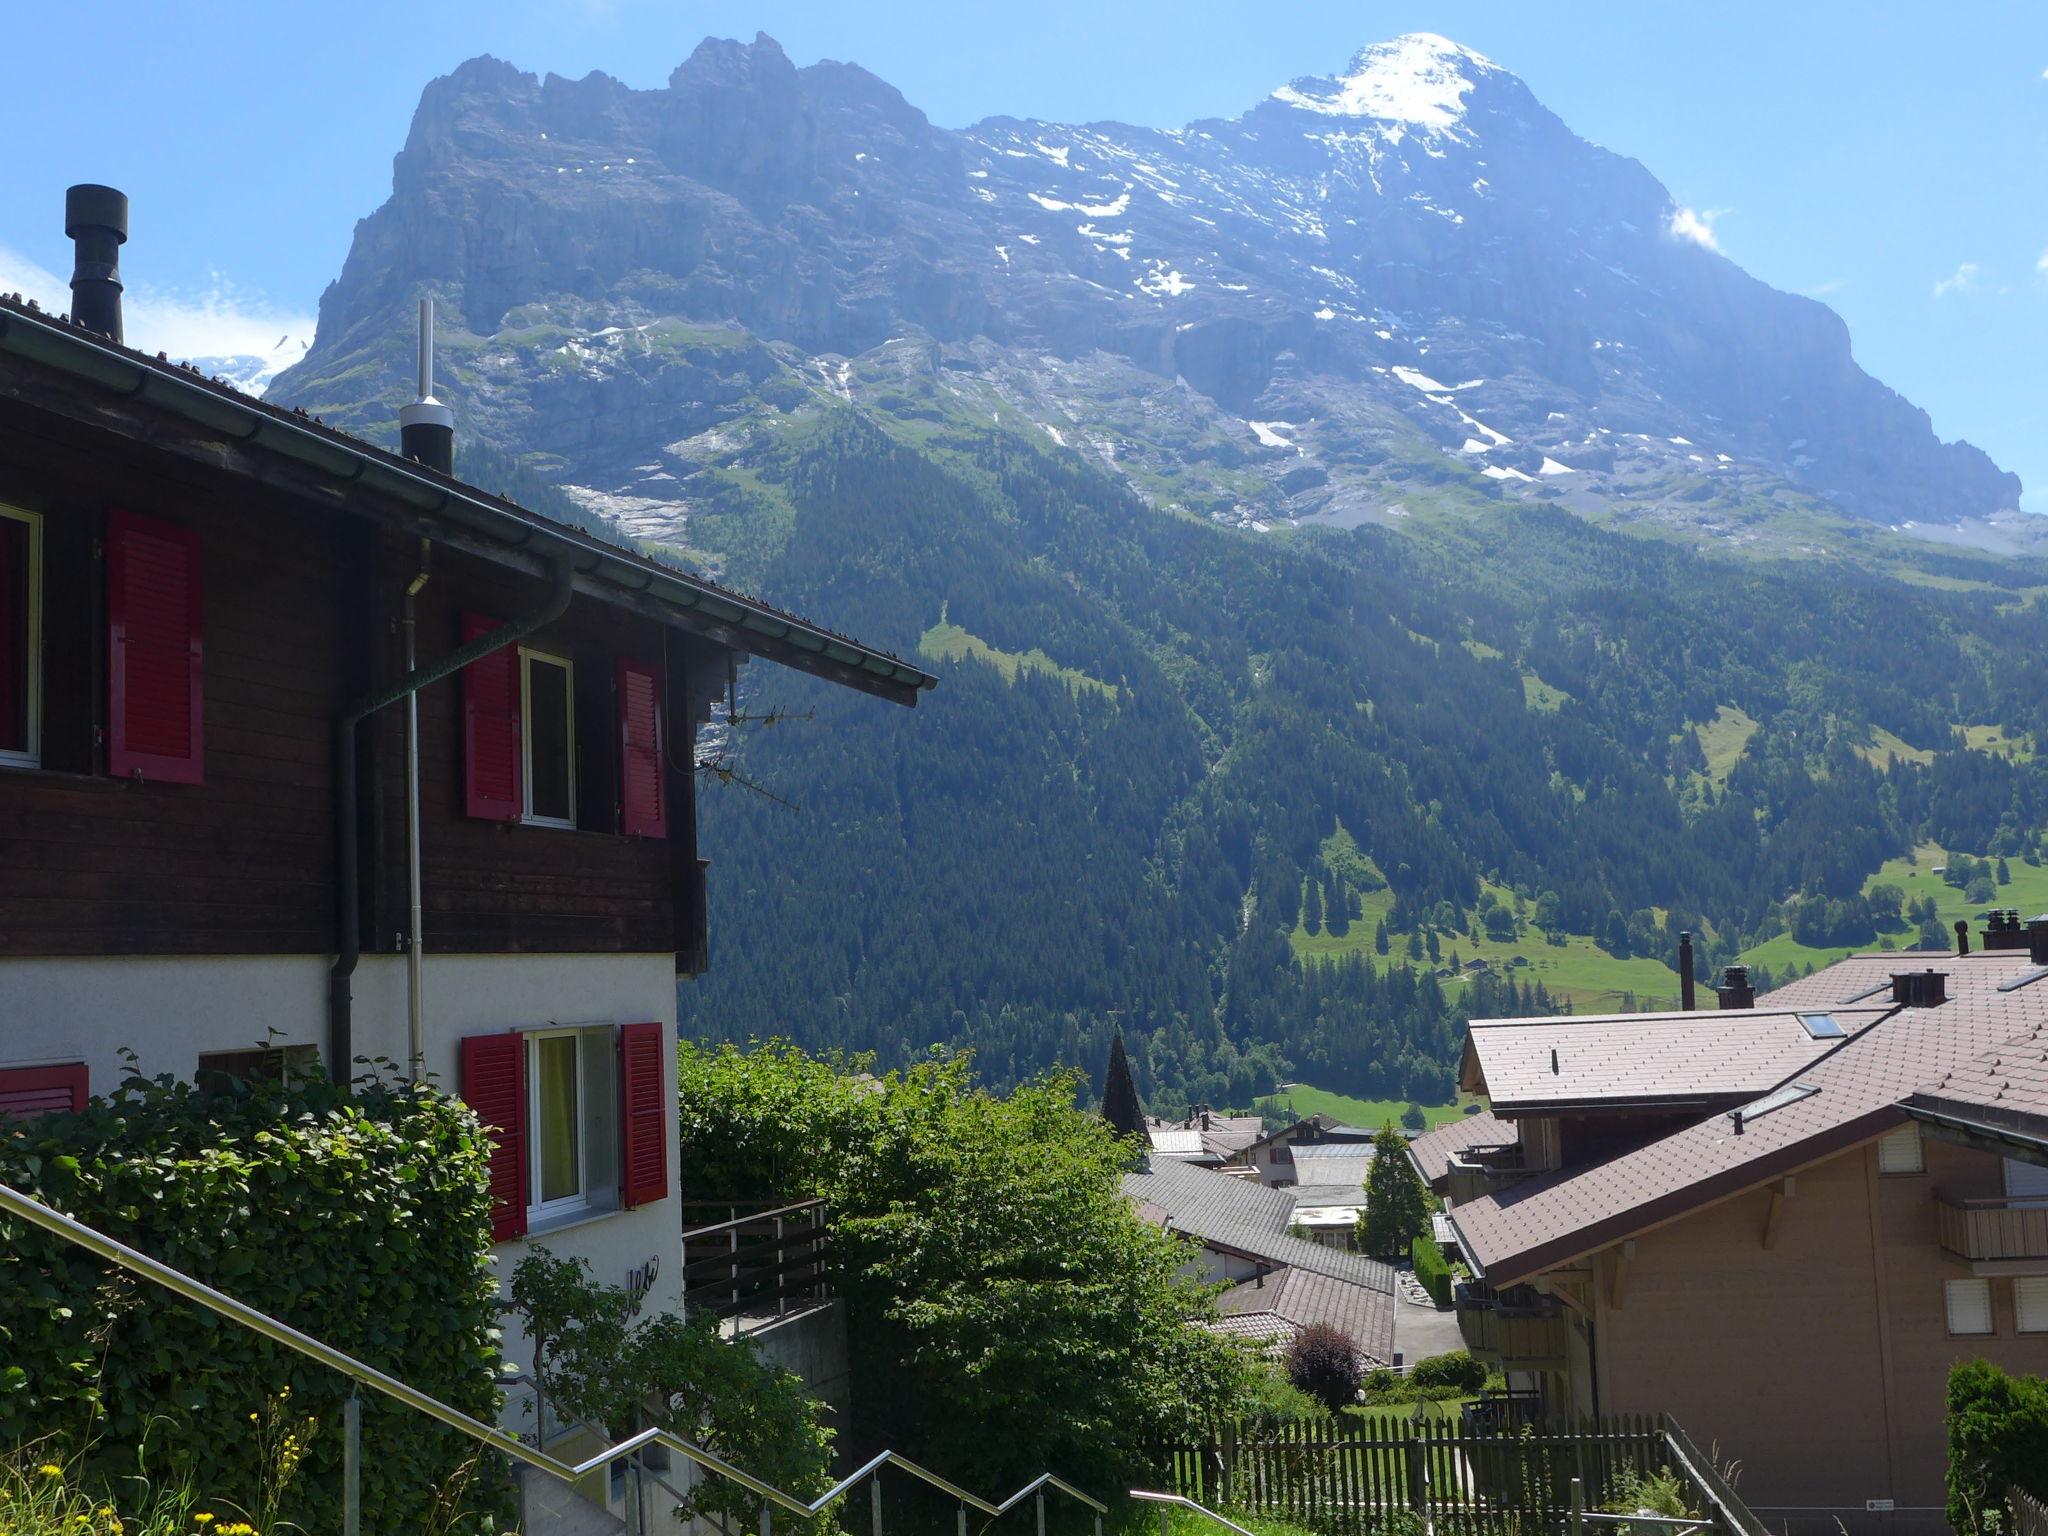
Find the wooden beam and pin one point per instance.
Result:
(1784, 1191)
(1617, 1283)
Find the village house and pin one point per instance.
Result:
(310, 751)
(1273, 1154)
(1781, 1222)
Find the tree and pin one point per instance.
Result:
(1413, 1118)
(1997, 1427)
(1336, 908)
(968, 1230)
(1395, 1206)
(1978, 890)
(1885, 903)
(1312, 907)
(1120, 1106)
(1379, 937)
(2004, 871)
(1322, 1361)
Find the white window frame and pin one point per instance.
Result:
(32, 755)
(1902, 1151)
(537, 1207)
(527, 657)
(1949, 1292)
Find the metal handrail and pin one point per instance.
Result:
(748, 1220)
(13, 1202)
(1164, 1499)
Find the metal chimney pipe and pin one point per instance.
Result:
(96, 219)
(1685, 996)
(426, 428)
(1962, 936)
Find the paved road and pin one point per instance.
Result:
(1421, 1331)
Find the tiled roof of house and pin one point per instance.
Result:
(1431, 1152)
(1671, 1059)
(1332, 1162)
(1245, 1217)
(1299, 1297)
(1982, 1048)
(1221, 1138)
(1312, 1197)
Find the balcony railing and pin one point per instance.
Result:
(1516, 1329)
(1478, 1171)
(757, 1263)
(1990, 1230)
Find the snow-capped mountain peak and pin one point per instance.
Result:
(1419, 79)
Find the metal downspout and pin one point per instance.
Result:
(348, 914)
(415, 988)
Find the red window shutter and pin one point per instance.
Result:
(26, 1093)
(155, 652)
(494, 1085)
(642, 803)
(646, 1084)
(490, 728)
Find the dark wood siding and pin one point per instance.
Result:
(301, 613)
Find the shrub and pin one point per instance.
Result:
(1432, 1269)
(364, 1221)
(1323, 1362)
(1270, 1398)
(1997, 1438)
(1650, 1493)
(1456, 1369)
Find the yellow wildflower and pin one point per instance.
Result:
(50, 1469)
(203, 1517)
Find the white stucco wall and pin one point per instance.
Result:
(168, 1010)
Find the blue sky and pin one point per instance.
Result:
(1884, 156)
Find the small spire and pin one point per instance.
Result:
(1120, 1106)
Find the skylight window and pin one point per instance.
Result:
(1777, 1098)
(1821, 1026)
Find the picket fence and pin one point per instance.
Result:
(1347, 1473)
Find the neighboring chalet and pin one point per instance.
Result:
(1203, 1138)
(226, 851)
(1273, 1154)
(1781, 1222)
(1242, 1235)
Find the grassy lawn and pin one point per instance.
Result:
(1724, 739)
(1390, 1415)
(1913, 874)
(1301, 1100)
(946, 641)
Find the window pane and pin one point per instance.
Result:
(14, 635)
(547, 739)
(2030, 1300)
(555, 1074)
(1969, 1306)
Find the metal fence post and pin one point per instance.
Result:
(963, 1520)
(1041, 1512)
(1165, 1520)
(1578, 1507)
(352, 1466)
(875, 1501)
(767, 1518)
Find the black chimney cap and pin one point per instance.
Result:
(92, 206)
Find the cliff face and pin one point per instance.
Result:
(1367, 288)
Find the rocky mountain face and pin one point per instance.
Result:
(1372, 294)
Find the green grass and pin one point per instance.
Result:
(1884, 747)
(1724, 739)
(1143, 1520)
(1995, 740)
(946, 641)
(1370, 1114)
(1541, 696)
(1578, 971)
(1913, 874)
(1386, 1416)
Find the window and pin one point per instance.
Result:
(1900, 1151)
(2030, 1301)
(2026, 1183)
(572, 1116)
(21, 637)
(1969, 1306)
(221, 1071)
(547, 708)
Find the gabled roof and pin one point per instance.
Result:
(1431, 1152)
(1650, 1060)
(1983, 1050)
(1245, 1217)
(342, 472)
(1287, 1300)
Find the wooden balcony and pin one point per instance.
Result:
(1481, 1171)
(1516, 1329)
(2008, 1235)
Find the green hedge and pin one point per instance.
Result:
(1997, 1440)
(1432, 1269)
(364, 1221)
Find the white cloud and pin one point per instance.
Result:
(1822, 290)
(1696, 225)
(2041, 265)
(222, 321)
(1962, 280)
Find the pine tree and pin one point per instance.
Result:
(1379, 937)
(1414, 945)
(1396, 1212)
(1120, 1106)
(1336, 909)
(1312, 908)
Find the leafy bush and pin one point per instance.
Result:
(1269, 1398)
(600, 1363)
(1432, 1269)
(1997, 1439)
(1456, 1369)
(1322, 1361)
(1008, 1312)
(364, 1221)
(1649, 1493)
